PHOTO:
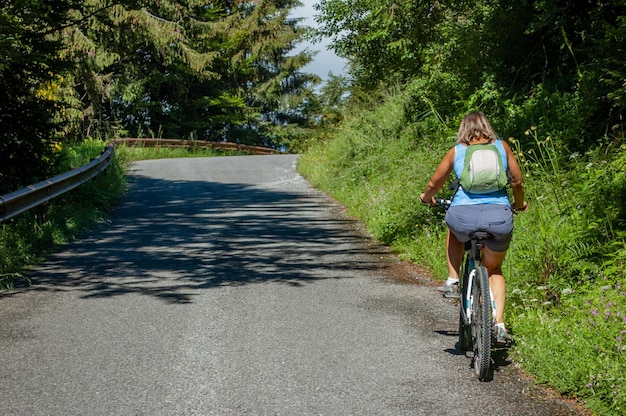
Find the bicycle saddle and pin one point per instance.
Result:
(480, 235)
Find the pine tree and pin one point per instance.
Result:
(183, 69)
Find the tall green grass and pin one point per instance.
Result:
(566, 301)
(29, 236)
(567, 293)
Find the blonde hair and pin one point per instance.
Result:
(474, 126)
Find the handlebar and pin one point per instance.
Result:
(442, 202)
(445, 204)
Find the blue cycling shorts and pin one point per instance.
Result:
(495, 219)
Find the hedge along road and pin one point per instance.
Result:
(229, 286)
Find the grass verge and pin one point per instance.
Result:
(566, 302)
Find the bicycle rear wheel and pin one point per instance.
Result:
(481, 324)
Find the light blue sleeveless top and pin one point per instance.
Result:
(463, 198)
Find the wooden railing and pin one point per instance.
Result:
(201, 144)
(15, 203)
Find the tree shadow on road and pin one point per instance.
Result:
(171, 239)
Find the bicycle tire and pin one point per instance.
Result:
(481, 324)
(465, 330)
(465, 333)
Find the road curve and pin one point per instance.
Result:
(228, 286)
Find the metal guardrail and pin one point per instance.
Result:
(17, 202)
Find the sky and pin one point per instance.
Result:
(325, 61)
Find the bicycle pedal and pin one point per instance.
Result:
(451, 295)
(501, 347)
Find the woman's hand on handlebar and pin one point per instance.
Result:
(432, 202)
(524, 207)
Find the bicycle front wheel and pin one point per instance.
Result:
(481, 324)
(465, 330)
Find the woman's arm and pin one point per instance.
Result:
(439, 178)
(516, 181)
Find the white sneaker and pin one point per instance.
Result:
(450, 288)
(502, 337)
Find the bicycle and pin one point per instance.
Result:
(476, 322)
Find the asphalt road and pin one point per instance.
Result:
(228, 286)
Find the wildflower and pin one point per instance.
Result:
(589, 385)
(594, 312)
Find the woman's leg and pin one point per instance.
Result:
(492, 260)
(454, 254)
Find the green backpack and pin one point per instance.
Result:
(483, 171)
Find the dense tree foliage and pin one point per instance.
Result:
(178, 69)
(212, 70)
(550, 62)
(29, 69)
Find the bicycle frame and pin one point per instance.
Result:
(472, 262)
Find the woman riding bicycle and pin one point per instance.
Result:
(470, 212)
